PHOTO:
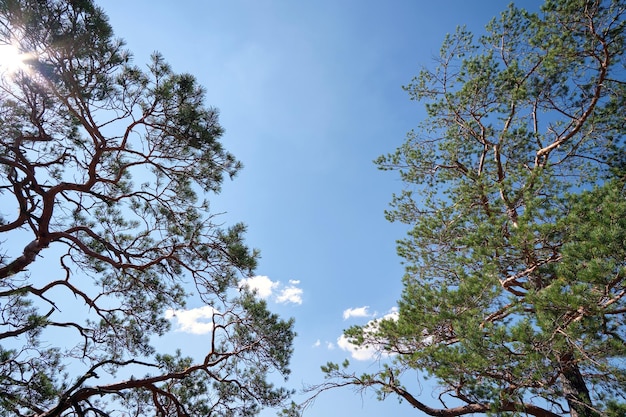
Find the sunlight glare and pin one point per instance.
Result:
(12, 60)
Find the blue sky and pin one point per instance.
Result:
(309, 94)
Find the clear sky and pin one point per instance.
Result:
(309, 94)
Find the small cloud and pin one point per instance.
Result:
(357, 312)
(262, 285)
(194, 321)
(360, 353)
(265, 288)
(317, 343)
(330, 346)
(392, 315)
(291, 294)
(371, 351)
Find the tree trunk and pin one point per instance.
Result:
(575, 388)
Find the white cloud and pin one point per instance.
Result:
(194, 321)
(265, 288)
(364, 353)
(317, 343)
(391, 315)
(330, 346)
(261, 284)
(360, 353)
(291, 294)
(356, 312)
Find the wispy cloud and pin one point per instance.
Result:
(194, 321)
(329, 345)
(357, 312)
(370, 351)
(266, 288)
(261, 284)
(290, 294)
(360, 353)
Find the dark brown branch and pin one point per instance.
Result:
(25, 329)
(470, 408)
(28, 256)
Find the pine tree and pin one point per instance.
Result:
(105, 168)
(514, 298)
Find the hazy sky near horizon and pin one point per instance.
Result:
(309, 93)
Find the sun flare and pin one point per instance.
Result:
(11, 59)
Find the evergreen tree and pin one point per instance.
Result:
(514, 298)
(104, 171)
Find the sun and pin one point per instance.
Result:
(12, 60)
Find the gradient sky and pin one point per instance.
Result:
(309, 94)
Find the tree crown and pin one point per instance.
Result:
(513, 296)
(105, 171)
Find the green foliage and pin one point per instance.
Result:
(615, 409)
(104, 171)
(514, 297)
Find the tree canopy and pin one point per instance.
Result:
(514, 297)
(105, 226)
